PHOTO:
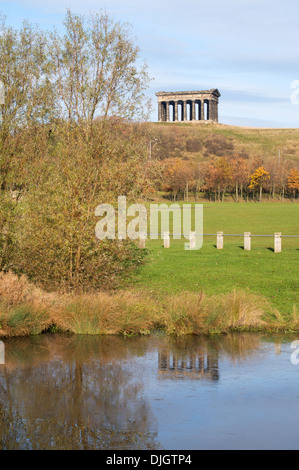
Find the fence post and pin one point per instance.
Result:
(277, 242)
(166, 240)
(192, 240)
(247, 241)
(219, 240)
(142, 239)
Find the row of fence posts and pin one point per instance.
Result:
(192, 240)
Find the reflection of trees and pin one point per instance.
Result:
(72, 393)
(86, 392)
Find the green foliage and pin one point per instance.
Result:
(67, 144)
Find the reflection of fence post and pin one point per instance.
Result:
(219, 240)
(247, 241)
(2, 353)
(166, 240)
(192, 241)
(277, 242)
(142, 240)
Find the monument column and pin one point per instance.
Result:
(184, 111)
(214, 110)
(167, 111)
(193, 116)
(175, 111)
(160, 117)
(202, 110)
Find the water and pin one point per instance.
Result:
(88, 392)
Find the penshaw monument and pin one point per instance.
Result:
(188, 105)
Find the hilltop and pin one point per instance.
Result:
(202, 139)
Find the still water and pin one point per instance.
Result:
(88, 392)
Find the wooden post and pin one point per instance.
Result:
(192, 241)
(166, 240)
(247, 241)
(277, 242)
(219, 240)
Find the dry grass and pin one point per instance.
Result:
(191, 313)
(26, 309)
(102, 313)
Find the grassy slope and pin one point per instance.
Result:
(258, 142)
(275, 276)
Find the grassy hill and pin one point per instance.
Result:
(202, 139)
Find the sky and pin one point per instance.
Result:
(247, 49)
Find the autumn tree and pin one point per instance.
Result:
(71, 151)
(180, 176)
(293, 181)
(240, 175)
(259, 180)
(218, 177)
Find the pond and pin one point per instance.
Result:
(236, 391)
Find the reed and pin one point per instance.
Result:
(102, 313)
(25, 309)
(192, 313)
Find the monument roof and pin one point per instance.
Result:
(213, 91)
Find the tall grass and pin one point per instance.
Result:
(26, 309)
(102, 313)
(191, 313)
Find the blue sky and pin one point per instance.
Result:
(248, 49)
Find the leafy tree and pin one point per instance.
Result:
(95, 70)
(218, 176)
(240, 174)
(180, 176)
(259, 180)
(68, 144)
(293, 181)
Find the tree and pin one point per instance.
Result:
(218, 176)
(240, 174)
(180, 176)
(25, 72)
(293, 181)
(95, 70)
(259, 180)
(62, 161)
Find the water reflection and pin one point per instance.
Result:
(74, 393)
(196, 365)
(89, 392)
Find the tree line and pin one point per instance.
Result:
(233, 176)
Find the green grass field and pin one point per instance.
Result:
(274, 275)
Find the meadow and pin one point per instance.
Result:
(179, 291)
(273, 275)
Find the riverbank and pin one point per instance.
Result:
(26, 310)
